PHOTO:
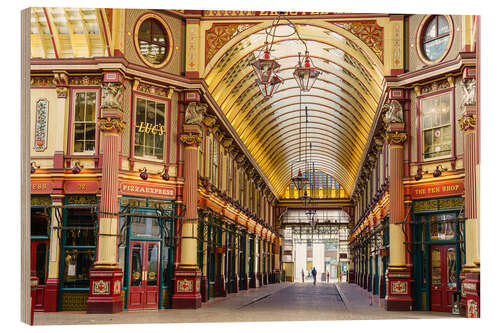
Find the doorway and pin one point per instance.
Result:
(39, 259)
(443, 260)
(143, 279)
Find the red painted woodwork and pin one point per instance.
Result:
(443, 272)
(39, 259)
(144, 279)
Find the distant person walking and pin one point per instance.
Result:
(302, 275)
(314, 274)
(327, 277)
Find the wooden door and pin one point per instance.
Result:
(39, 258)
(443, 261)
(144, 281)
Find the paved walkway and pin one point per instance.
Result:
(275, 302)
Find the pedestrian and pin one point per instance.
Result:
(327, 277)
(302, 275)
(314, 274)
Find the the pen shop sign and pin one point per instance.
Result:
(437, 190)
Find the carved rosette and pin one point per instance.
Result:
(111, 124)
(395, 138)
(468, 122)
(190, 139)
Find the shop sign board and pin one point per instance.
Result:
(147, 190)
(437, 190)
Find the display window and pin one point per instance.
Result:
(84, 121)
(436, 124)
(150, 131)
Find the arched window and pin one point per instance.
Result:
(435, 37)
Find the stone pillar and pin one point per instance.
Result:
(51, 291)
(470, 274)
(61, 80)
(398, 275)
(187, 277)
(105, 275)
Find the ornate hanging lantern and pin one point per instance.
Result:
(268, 89)
(265, 68)
(299, 181)
(306, 75)
(306, 199)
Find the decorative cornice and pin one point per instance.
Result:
(190, 139)
(209, 120)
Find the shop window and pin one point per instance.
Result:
(79, 247)
(39, 223)
(435, 37)
(145, 226)
(442, 226)
(84, 122)
(436, 126)
(149, 129)
(153, 41)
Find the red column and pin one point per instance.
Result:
(470, 274)
(187, 275)
(398, 295)
(105, 274)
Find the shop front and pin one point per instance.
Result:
(146, 252)
(438, 252)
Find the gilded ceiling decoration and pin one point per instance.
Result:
(369, 32)
(220, 34)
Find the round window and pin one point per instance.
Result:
(153, 41)
(435, 37)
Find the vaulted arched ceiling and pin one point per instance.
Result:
(341, 106)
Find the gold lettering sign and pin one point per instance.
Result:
(423, 206)
(150, 128)
(453, 203)
(81, 200)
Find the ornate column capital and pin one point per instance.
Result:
(61, 81)
(468, 122)
(191, 139)
(395, 138)
(109, 124)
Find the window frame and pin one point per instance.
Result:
(166, 145)
(71, 129)
(420, 126)
(420, 39)
(168, 35)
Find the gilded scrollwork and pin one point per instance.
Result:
(109, 124)
(395, 138)
(190, 139)
(468, 122)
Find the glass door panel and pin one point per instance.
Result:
(151, 276)
(136, 266)
(436, 267)
(136, 290)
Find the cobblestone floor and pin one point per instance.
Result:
(276, 302)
